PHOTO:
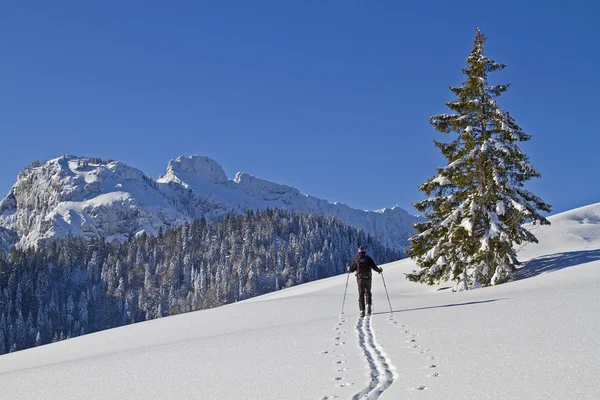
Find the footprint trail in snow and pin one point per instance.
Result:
(340, 362)
(411, 343)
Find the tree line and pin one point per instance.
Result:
(74, 286)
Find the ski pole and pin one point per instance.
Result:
(344, 301)
(386, 293)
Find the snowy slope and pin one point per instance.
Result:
(578, 229)
(84, 197)
(536, 338)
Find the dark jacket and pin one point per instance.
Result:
(363, 264)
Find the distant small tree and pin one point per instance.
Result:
(20, 332)
(83, 309)
(2, 347)
(69, 309)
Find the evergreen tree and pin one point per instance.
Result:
(30, 330)
(83, 309)
(69, 310)
(476, 205)
(41, 285)
(20, 333)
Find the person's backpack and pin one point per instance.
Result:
(364, 266)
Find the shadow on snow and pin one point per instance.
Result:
(556, 262)
(440, 306)
(537, 266)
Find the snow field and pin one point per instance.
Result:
(535, 338)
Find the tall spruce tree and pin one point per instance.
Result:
(476, 205)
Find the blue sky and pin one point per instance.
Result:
(332, 97)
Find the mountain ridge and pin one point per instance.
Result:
(90, 197)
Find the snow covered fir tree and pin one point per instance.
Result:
(74, 286)
(477, 204)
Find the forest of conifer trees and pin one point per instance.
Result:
(71, 286)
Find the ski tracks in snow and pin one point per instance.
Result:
(381, 372)
(380, 367)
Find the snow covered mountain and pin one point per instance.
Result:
(535, 338)
(80, 196)
(92, 197)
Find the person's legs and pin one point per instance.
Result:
(368, 296)
(361, 294)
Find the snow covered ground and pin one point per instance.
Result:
(535, 338)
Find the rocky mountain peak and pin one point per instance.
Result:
(196, 167)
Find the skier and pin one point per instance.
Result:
(363, 264)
